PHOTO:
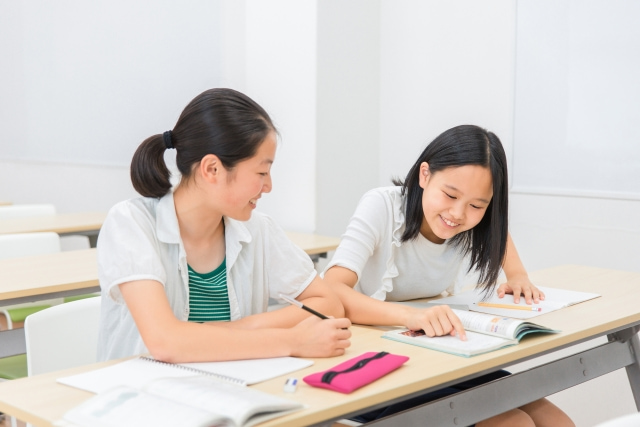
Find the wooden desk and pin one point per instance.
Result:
(89, 224)
(42, 277)
(86, 223)
(40, 400)
(313, 244)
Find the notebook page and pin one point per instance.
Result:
(255, 370)
(133, 373)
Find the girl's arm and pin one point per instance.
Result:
(518, 282)
(360, 308)
(175, 341)
(318, 295)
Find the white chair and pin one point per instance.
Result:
(26, 210)
(63, 336)
(631, 420)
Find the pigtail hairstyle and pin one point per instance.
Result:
(219, 121)
(487, 241)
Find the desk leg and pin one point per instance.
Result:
(13, 342)
(93, 240)
(633, 370)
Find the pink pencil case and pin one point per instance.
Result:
(356, 372)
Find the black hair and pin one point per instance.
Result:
(486, 242)
(219, 121)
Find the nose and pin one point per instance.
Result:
(267, 185)
(457, 211)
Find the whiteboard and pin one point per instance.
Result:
(577, 98)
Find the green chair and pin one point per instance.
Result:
(13, 367)
(79, 297)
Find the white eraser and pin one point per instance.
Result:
(290, 385)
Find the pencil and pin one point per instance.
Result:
(509, 306)
(302, 306)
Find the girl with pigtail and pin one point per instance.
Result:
(186, 275)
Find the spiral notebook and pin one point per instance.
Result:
(139, 371)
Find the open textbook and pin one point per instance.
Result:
(195, 401)
(555, 299)
(485, 333)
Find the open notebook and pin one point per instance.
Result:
(555, 299)
(139, 371)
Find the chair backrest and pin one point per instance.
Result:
(63, 336)
(26, 210)
(26, 244)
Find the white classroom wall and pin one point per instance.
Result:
(357, 89)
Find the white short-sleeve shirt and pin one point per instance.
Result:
(389, 269)
(140, 240)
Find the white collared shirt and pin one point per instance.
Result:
(140, 240)
(392, 270)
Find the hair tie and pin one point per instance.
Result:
(166, 137)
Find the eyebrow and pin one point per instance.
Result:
(455, 189)
(268, 161)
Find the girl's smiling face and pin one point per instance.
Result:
(242, 186)
(454, 200)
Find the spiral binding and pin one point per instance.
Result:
(225, 378)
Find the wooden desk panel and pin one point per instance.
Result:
(37, 277)
(314, 244)
(42, 401)
(70, 223)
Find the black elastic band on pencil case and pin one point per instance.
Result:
(221, 377)
(330, 375)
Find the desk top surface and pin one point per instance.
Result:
(45, 274)
(313, 243)
(70, 270)
(58, 223)
(92, 221)
(41, 401)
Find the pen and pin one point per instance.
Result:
(509, 306)
(302, 306)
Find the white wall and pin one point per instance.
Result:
(81, 93)
(348, 114)
(443, 64)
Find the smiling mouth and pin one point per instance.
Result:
(253, 202)
(449, 223)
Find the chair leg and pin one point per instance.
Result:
(7, 317)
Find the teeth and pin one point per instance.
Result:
(449, 223)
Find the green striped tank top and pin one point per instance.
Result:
(208, 295)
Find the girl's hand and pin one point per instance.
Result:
(315, 337)
(521, 285)
(436, 322)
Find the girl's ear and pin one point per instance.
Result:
(210, 168)
(423, 178)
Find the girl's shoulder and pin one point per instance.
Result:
(260, 224)
(134, 209)
(390, 196)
